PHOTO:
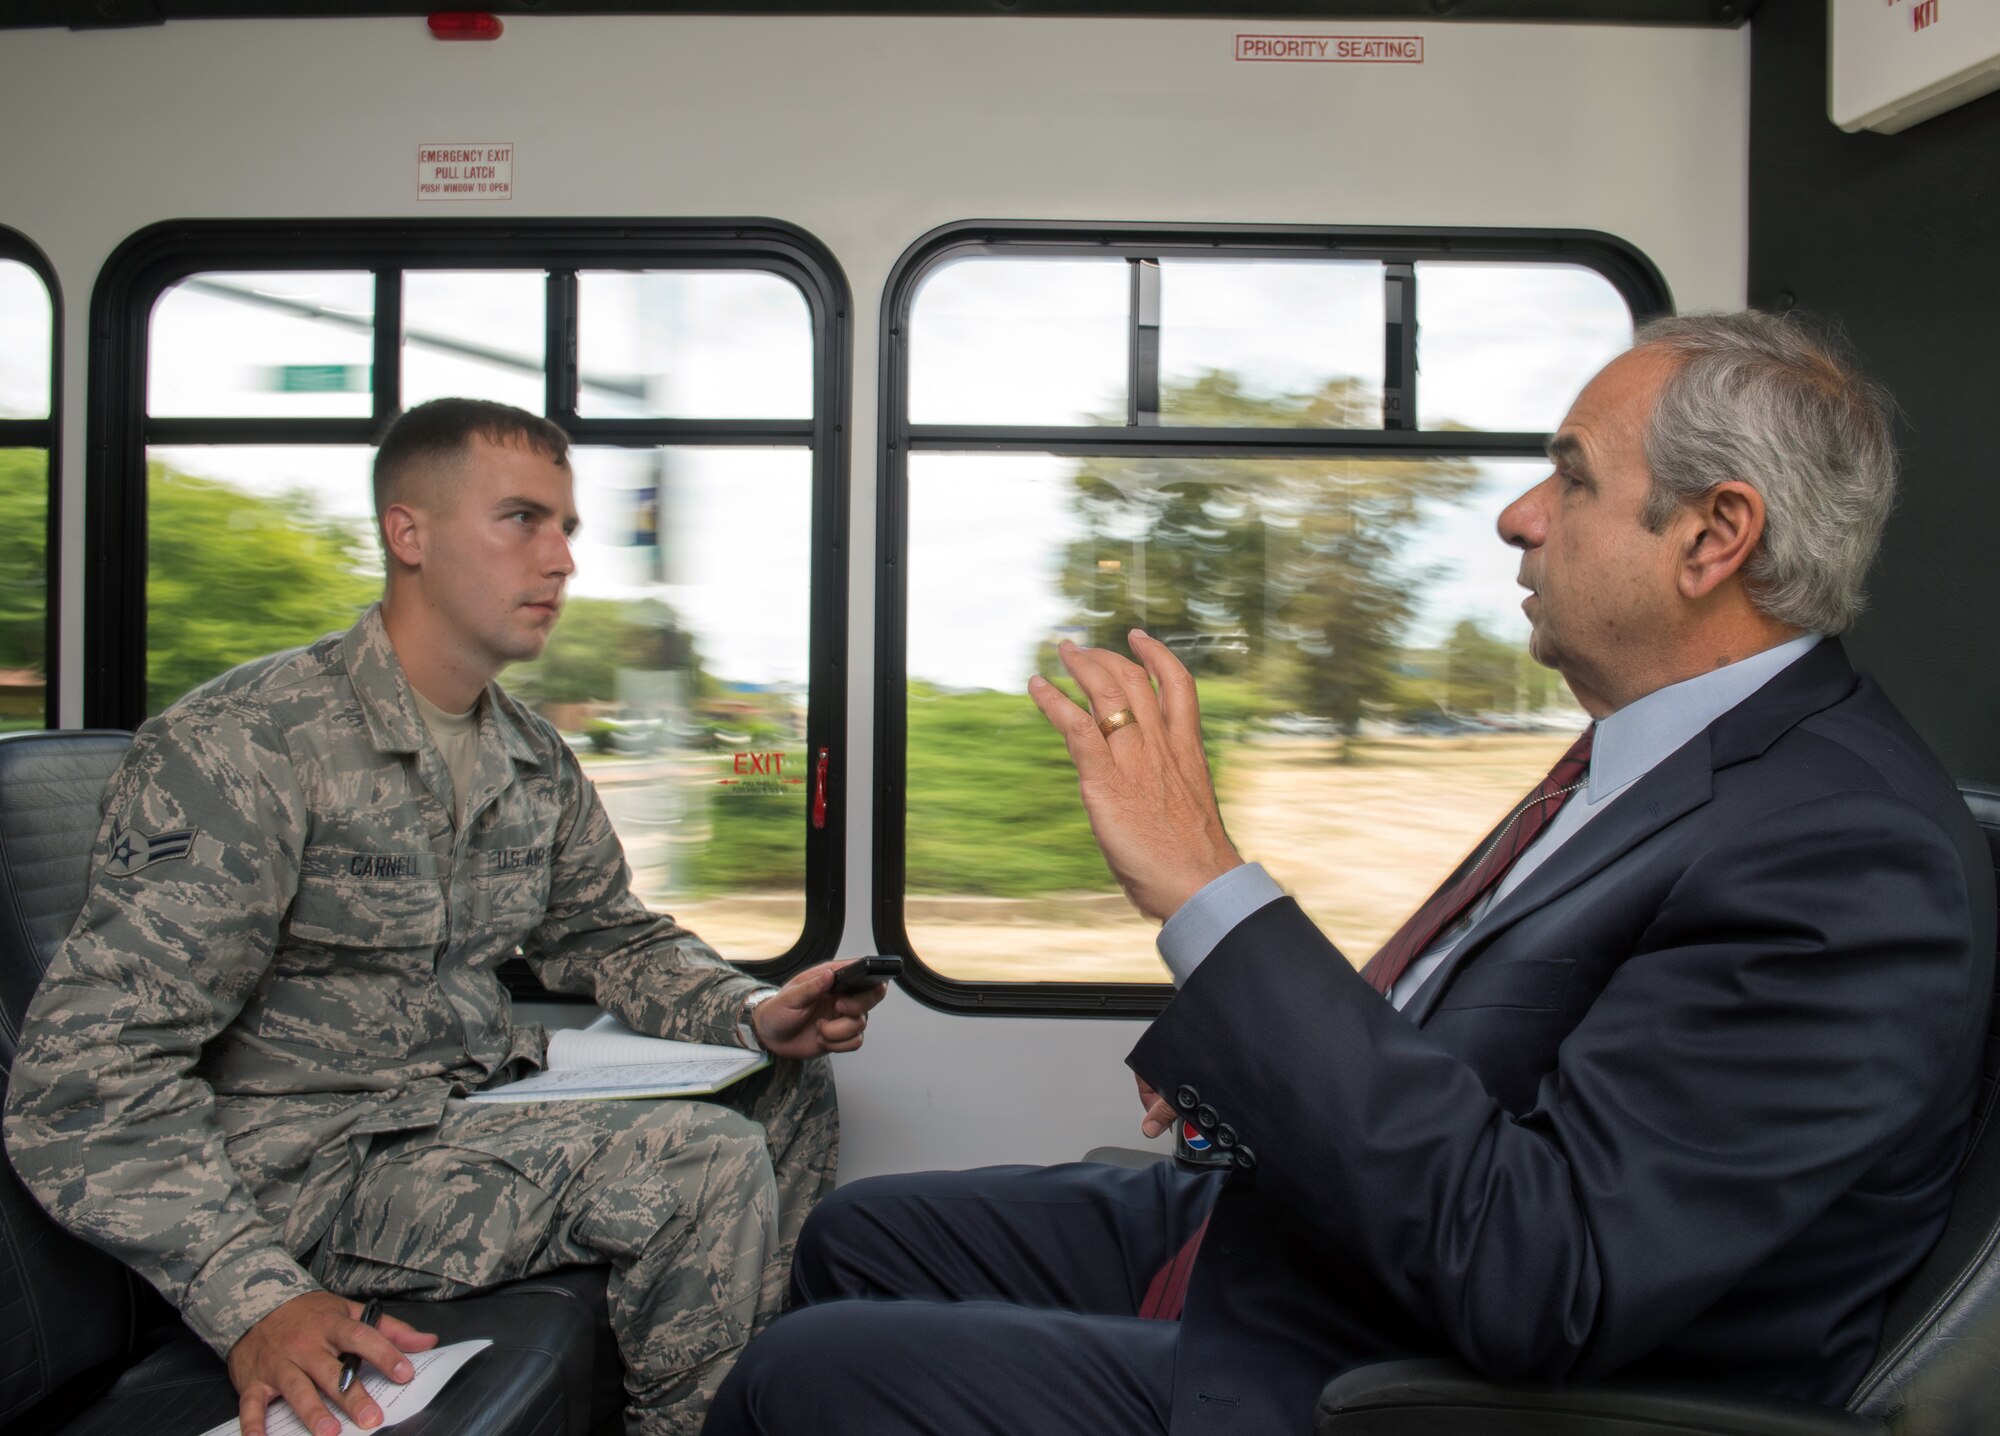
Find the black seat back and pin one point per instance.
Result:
(50, 784)
(69, 1306)
(1934, 1373)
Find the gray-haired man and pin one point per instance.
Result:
(1672, 1075)
(244, 1072)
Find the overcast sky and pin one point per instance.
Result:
(24, 343)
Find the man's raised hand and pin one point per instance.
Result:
(1145, 784)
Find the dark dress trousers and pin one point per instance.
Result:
(1687, 1103)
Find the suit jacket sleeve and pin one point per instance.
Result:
(1791, 1010)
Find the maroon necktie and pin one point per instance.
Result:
(1166, 1294)
(1452, 901)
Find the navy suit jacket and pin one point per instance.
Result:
(1688, 1103)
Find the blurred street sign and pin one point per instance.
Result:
(319, 378)
(646, 517)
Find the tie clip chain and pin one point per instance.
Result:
(1515, 817)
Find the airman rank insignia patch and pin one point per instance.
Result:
(132, 850)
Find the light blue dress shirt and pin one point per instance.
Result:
(1630, 744)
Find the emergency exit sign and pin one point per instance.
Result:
(467, 170)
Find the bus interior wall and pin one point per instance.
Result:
(871, 132)
(1896, 237)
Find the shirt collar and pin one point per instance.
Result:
(1633, 741)
(389, 702)
(378, 682)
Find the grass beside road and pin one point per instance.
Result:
(993, 805)
(992, 802)
(992, 798)
(756, 834)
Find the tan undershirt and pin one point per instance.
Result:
(457, 738)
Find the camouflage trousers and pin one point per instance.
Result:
(695, 1206)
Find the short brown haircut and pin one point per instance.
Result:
(437, 433)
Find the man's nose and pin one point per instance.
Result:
(1523, 524)
(561, 556)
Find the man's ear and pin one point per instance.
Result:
(403, 535)
(1722, 528)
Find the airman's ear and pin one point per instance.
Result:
(1722, 529)
(403, 535)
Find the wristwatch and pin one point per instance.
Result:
(743, 1024)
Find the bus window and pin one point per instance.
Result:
(251, 548)
(268, 345)
(1506, 346)
(682, 673)
(477, 335)
(1003, 341)
(27, 437)
(693, 345)
(703, 762)
(1284, 327)
(1245, 492)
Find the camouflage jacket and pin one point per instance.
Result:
(289, 946)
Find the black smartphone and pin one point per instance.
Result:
(866, 972)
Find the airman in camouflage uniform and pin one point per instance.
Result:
(244, 1071)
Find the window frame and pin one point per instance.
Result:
(44, 434)
(1629, 271)
(154, 259)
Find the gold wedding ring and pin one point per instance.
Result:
(1124, 717)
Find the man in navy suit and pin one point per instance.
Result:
(1673, 1073)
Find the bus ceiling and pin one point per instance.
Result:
(104, 14)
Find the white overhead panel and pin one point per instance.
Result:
(1896, 62)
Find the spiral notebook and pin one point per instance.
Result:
(608, 1061)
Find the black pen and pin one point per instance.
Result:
(351, 1363)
